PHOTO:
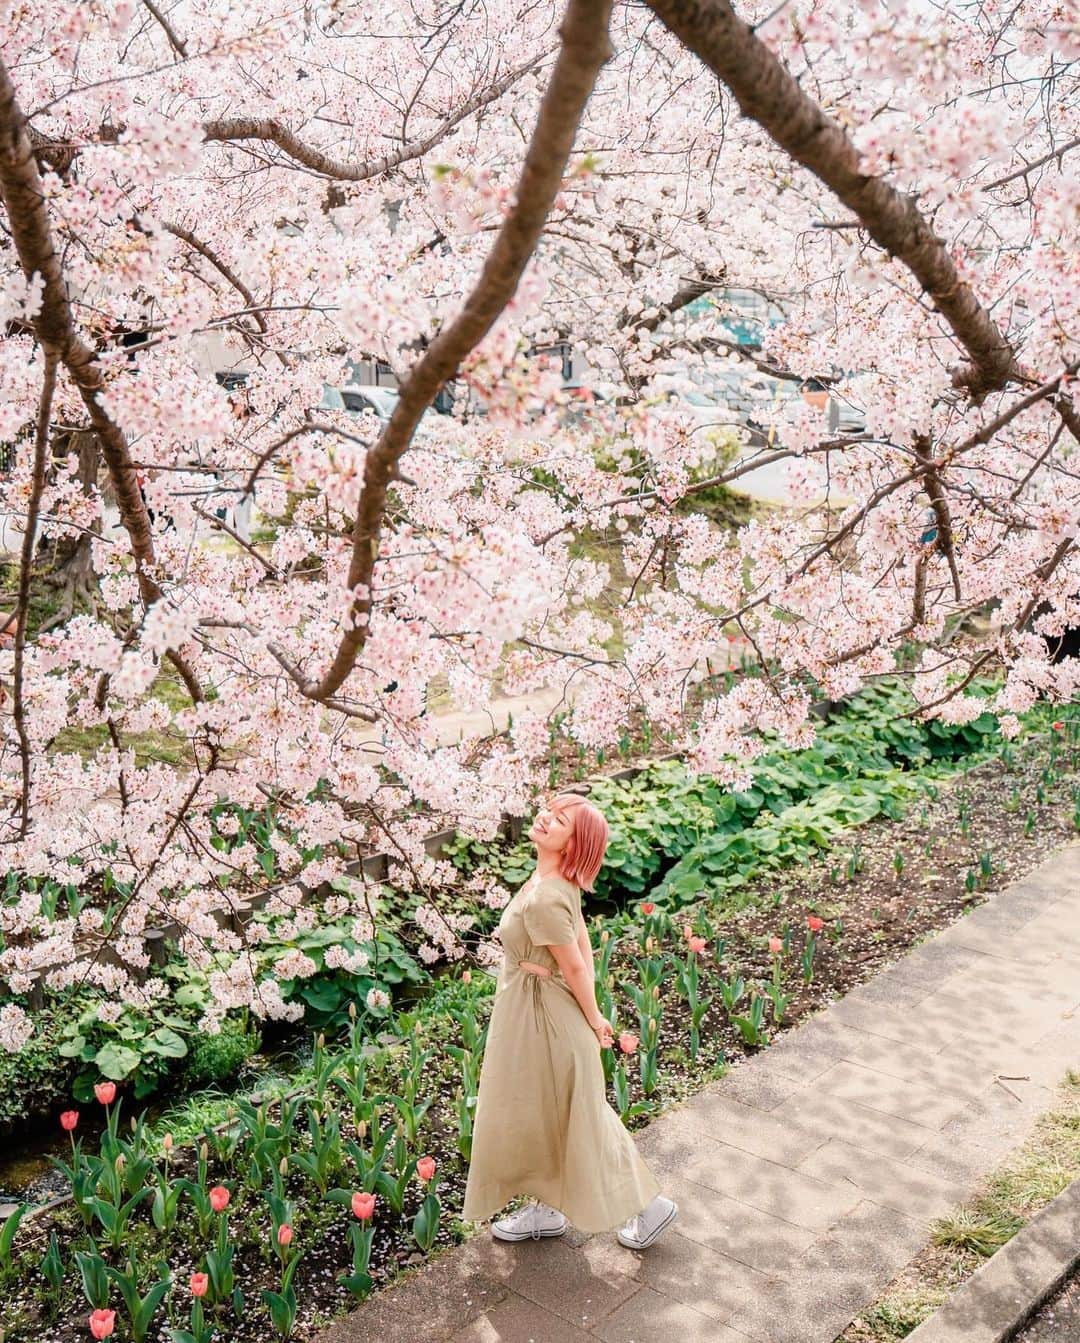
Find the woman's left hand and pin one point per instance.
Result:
(604, 1034)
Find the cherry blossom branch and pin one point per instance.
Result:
(222, 267)
(1058, 154)
(267, 128)
(770, 95)
(54, 326)
(585, 48)
(178, 44)
(26, 564)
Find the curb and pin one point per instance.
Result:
(1011, 1286)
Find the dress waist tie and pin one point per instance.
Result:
(531, 982)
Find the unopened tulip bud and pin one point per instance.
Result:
(134, 1124)
(605, 937)
(649, 944)
(352, 1011)
(283, 1165)
(204, 1152)
(656, 993)
(362, 1129)
(119, 1163)
(652, 1025)
(167, 1142)
(322, 1040)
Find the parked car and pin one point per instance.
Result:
(379, 401)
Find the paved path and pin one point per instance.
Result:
(810, 1174)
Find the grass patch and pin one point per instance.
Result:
(964, 1239)
(167, 747)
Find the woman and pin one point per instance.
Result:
(543, 1126)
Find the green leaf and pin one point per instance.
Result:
(167, 1043)
(116, 1061)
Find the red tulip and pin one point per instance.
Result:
(814, 923)
(425, 1168)
(284, 1235)
(200, 1284)
(775, 945)
(628, 1042)
(363, 1205)
(102, 1323)
(696, 944)
(647, 908)
(105, 1092)
(1059, 726)
(219, 1198)
(68, 1120)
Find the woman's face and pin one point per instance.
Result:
(551, 830)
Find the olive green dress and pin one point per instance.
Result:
(543, 1125)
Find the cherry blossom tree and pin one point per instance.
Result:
(452, 190)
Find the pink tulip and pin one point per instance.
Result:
(696, 944)
(105, 1092)
(219, 1198)
(425, 1168)
(363, 1205)
(200, 1284)
(102, 1323)
(466, 976)
(814, 923)
(775, 946)
(628, 1042)
(647, 908)
(284, 1235)
(687, 932)
(68, 1120)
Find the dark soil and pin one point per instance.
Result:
(1059, 1319)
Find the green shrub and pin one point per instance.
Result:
(217, 1058)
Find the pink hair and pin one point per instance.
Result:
(584, 852)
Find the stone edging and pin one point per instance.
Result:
(1007, 1290)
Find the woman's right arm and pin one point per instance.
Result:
(581, 981)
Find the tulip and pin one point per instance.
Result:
(363, 1205)
(696, 944)
(68, 1120)
(1059, 726)
(200, 1284)
(687, 932)
(647, 908)
(628, 1042)
(105, 1092)
(167, 1142)
(775, 946)
(814, 923)
(219, 1198)
(102, 1323)
(466, 976)
(284, 1235)
(425, 1168)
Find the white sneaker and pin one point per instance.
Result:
(641, 1231)
(533, 1222)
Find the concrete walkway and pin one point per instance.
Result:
(809, 1176)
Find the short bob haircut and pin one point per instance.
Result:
(585, 849)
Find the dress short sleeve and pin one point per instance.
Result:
(551, 915)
